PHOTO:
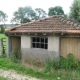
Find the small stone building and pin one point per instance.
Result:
(48, 37)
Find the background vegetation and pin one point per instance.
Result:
(51, 70)
(75, 10)
(27, 13)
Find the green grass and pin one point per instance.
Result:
(2, 35)
(52, 75)
(3, 78)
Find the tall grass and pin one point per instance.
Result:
(68, 63)
(52, 74)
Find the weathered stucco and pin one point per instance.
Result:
(36, 53)
(25, 42)
(54, 45)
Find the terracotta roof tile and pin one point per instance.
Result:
(53, 24)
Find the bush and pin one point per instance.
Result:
(58, 62)
(70, 62)
(15, 55)
(48, 65)
(3, 55)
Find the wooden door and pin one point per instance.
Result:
(16, 43)
(70, 45)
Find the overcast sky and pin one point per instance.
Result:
(9, 6)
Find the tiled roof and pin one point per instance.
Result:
(53, 24)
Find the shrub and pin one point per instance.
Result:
(70, 62)
(58, 62)
(48, 65)
(3, 55)
(15, 55)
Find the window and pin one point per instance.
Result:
(40, 42)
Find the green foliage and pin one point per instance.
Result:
(75, 10)
(2, 35)
(15, 55)
(66, 15)
(62, 74)
(3, 78)
(26, 14)
(40, 13)
(48, 65)
(3, 17)
(56, 63)
(3, 55)
(23, 15)
(2, 29)
(7, 64)
(25, 20)
(57, 10)
(70, 62)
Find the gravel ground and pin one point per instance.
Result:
(12, 75)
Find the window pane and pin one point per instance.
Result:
(33, 39)
(42, 40)
(38, 39)
(38, 45)
(33, 45)
(46, 46)
(46, 40)
(42, 45)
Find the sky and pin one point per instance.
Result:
(10, 6)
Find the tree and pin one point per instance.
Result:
(75, 10)
(66, 15)
(40, 13)
(23, 15)
(3, 17)
(57, 10)
(2, 29)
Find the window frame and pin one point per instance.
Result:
(39, 43)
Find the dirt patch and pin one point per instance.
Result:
(12, 75)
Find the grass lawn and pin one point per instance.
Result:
(52, 75)
(2, 35)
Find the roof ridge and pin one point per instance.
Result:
(35, 21)
(41, 19)
(69, 21)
